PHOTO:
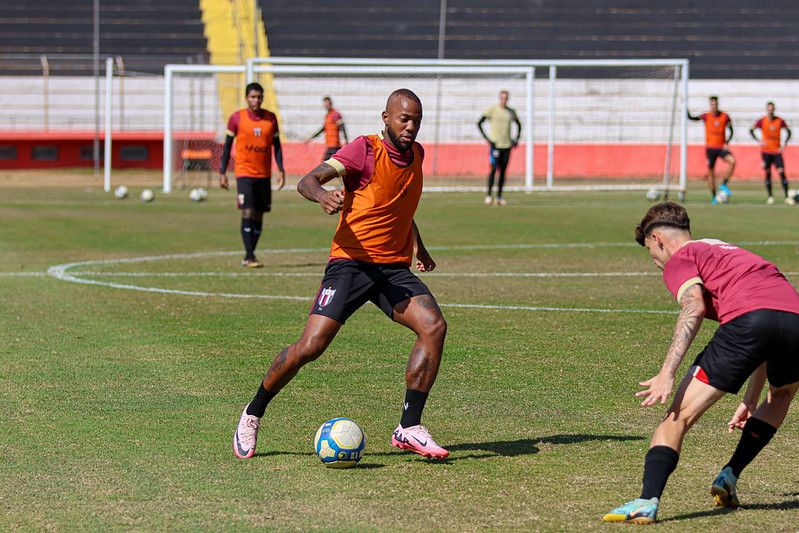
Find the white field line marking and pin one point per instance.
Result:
(426, 274)
(60, 272)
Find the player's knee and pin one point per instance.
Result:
(308, 349)
(435, 327)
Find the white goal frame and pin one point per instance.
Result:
(527, 68)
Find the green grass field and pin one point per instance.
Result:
(133, 338)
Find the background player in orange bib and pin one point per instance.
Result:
(256, 133)
(717, 123)
(771, 148)
(333, 128)
(370, 260)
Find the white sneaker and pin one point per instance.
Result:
(488, 200)
(499, 201)
(246, 435)
(770, 200)
(790, 201)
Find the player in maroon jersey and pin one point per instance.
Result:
(758, 336)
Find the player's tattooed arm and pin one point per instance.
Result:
(659, 388)
(310, 186)
(689, 320)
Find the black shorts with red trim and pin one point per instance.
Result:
(254, 193)
(348, 284)
(743, 344)
(772, 159)
(715, 153)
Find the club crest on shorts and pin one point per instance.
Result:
(326, 296)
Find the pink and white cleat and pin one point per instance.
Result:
(246, 435)
(417, 439)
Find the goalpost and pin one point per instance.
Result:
(594, 125)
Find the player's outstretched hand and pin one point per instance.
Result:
(740, 417)
(332, 201)
(659, 388)
(223, 182)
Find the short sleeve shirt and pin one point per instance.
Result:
(736, 281)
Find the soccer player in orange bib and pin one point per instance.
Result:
(370, 261)
(256, 133)
(717, 123)
(771, 147)
(333, 128)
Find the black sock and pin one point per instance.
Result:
(768, 185)
(754, 438)
(246, 237)
(258, 404)
(256, 232)
(784, 183)
(412, 409)
(659, 464)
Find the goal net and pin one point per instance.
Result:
(592, 125)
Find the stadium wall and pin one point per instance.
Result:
(61, 111)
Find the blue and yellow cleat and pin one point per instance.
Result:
(725, 189)
(723, 489)
(638, 511)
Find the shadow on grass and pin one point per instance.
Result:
(506, 448)
(783, 506)
(513, 448)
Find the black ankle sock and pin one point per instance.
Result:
(257, 225)
(247, 238)
(258, 404)
(754, 437)
(412, 409)
(660, 462)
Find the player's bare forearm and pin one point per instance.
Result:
(310, 186)
(424, 262)
(659, 388)
(755, 387)
(688, 323)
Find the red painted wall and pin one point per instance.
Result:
(451, 159)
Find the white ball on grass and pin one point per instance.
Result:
(147, 195)
(121, 192)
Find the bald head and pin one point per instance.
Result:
(395, 97)
(402, 117)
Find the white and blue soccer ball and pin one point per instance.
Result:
(339, 443)
(722, 197)
(793, 193)
(653, 194)
(121, 192)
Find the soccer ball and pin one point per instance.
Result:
(653, 194)
(147, 195)
(121, 192)
(196, 195)
(793, 193)
(722, 197)
(339, 443)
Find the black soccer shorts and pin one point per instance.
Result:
(772, 159)
(713, 154)
(741, 345)
(348, 284)
(254, 193)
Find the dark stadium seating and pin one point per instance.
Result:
(733, 39)
(147, 34)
